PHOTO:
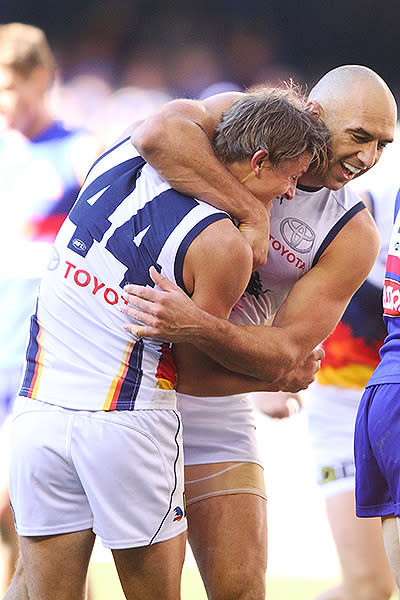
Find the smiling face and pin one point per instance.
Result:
(360, 113)
(360, 131)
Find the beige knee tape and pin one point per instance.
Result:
(217, 479)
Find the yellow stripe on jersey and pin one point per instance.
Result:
(39, 363)
(164, 384)
(112, 396)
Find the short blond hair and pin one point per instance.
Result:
(24, 47)
(273, 119)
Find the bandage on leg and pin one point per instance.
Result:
(216, 479)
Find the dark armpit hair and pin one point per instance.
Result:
(273, 119)
(24, 47)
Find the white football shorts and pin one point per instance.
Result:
(119, 473)
(331, 414)
(218, 429)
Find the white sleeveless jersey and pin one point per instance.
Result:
(301, 229)
(126, 219)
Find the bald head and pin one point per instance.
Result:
(348, 82)
(360, 112)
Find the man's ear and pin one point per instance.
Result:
(258, 159)
(314, 108)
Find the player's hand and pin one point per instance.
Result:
(256, 233)
(304, 374)
(167, 314)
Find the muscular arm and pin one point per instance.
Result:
(310, 312)
(217, 268)
(216, 271)
(176, 141)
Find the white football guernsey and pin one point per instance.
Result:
(126, 219)
(300, 231)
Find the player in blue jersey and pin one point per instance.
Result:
(377, 423)
(351, 354)
(42, 165)
(315, 264)
(103, 455)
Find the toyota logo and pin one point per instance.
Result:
(297, 234)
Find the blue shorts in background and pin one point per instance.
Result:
(377, 451)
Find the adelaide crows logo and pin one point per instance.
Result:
(178, 513)
(254, 287)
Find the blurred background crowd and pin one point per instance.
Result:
(111, 53)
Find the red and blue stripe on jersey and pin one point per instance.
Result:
(388, 369)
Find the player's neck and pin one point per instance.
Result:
(311, 180)
(43, 119)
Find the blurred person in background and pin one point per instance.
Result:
(278, 405)
(314, 266)
(351, 353)
(124, 106)
(42, 165)
(376, 435)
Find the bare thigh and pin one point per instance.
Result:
(228, 537)
(152, 571)
(56, 566)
